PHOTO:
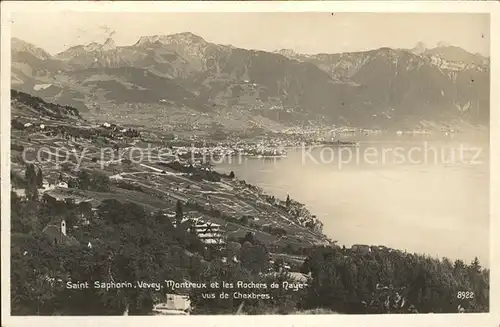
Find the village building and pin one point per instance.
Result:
(175, 304)
(209, 233)
(62, 185)
(46, 186)
(300, 277)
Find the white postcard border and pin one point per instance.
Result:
(491, 319)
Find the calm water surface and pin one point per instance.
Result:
(415, 193)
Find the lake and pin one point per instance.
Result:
(421, 193)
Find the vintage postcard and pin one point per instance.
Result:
(216, 160)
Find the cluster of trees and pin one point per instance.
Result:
(132, 133)
(351, 282)
(129, 244)
(132, 244)
(253, 266)
(16, 124)
(274, 301)
(94, 181)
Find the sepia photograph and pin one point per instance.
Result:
(246, 163)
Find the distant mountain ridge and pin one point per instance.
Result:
(375, 88)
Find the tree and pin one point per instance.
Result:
(475, 265)
(244, 220)
(17, 224)
(232, 249)
(30, 174)
(288, 201)
(231, 174)
(194, 243)
(31, 183)
(100, 182)
(249, 237)
(85, 209)
(178, 214)
(39, 178)
(278, 264)
(83, 180)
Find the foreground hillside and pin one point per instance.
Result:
(375, 89)
(89, 209)
(113, 153)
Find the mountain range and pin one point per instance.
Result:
(377, 88)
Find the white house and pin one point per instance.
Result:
(46, 186)
(62, 185)
(208, 233)
(175, 304)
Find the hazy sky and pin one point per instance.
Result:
(302, 32)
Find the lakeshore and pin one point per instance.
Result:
(379, 203)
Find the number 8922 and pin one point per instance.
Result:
(465, 295)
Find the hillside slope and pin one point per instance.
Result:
(131, 218)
